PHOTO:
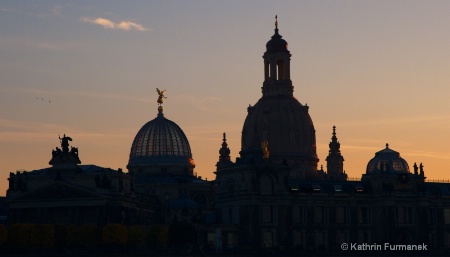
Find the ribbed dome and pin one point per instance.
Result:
(160, 142)
(387, 160)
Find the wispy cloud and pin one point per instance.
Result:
(109, 24)
(57, 10)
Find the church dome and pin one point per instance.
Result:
(160, 142)
(387, 160)
(278, 120)
(285, 124)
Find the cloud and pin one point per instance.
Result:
(127, 25)
(122, 25)
(57, 9)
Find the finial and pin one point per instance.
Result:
(387, 145)
(276, 21)
(334, 130)
(224, 137)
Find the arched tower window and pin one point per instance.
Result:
(281, 70)
(266, 70)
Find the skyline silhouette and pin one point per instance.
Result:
(378, 71)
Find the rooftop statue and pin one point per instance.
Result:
(161, 96)
(65, 143)
(265, 148)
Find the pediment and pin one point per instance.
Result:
(57, 191)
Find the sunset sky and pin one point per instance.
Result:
(378, 70)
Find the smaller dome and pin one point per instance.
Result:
(160, 142)
(388, 161)
(276, 44)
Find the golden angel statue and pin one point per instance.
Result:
(265, 148)
(161, 96)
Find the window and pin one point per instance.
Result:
(363, 215)
(447, 216)
(340, 215)
(297, 214)
(267, 239)
(363, 237)
(341, 237)
(397, 165)
(338, 188)
(211, 239)
(447, 240)
(281, 70)
(266, 70)
(319, 216)
(266, 213)
(231, 240)
(297, 238)
(319, 239)
(266, 186)
(404, 215)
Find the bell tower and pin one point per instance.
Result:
(277, 75)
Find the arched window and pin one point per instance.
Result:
(266, 70)
(266, 185)
(281, 70)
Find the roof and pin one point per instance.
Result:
(160, 140)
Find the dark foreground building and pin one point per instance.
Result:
(272, 198)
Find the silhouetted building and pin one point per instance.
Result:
(70, 193)
(272, 198)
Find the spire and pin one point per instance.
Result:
(334, 144)
(276, 35)
(276, 21)
(224, 153)
(335, 161)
